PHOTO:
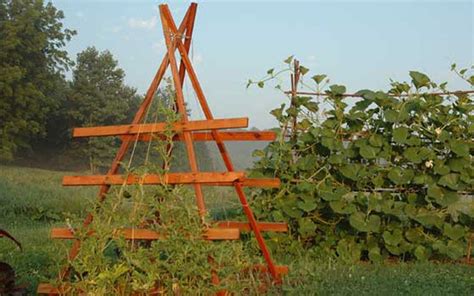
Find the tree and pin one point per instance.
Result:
(99, 96)
(32, 62)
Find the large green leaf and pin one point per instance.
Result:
(419, 79)
(400, 134)
(459, 147)
(400, 176)
(454, 232)
(369, 152)
(450, 181)
(306, 227)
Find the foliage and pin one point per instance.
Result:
(180, 262)
(33, 60)
(98, 96)
(41, 258)
(392, 174)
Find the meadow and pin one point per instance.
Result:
(33, 200)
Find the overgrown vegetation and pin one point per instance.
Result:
(42, 257)
(391, 174)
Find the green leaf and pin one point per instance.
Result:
(319, 78)
(358, 221)
(337, 89)
(419, 79)
(303, 70)
(450, 181)
(393, 238)
(454, 232)
(348, 251)
(270, 71)
(400, 176)
(261, 84)
(350, 171)
(368, 152)
(400, 134)
(288, 60)
(307, 205)
(306, 227)
(376, 140)
(455, 250)
(374, 255)
(421, 253)
(459, 147)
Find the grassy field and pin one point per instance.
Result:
(32, 201)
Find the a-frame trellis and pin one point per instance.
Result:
(187, 131)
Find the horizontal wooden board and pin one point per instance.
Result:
(207, 136)
(203, 178)
(251, 182)
(171, 178)
(146, 234)
(263, 226)
(133, 129)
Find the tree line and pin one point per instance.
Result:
(39, 106)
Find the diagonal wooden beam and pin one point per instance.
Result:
(170, 45)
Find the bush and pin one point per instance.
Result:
(389, 174)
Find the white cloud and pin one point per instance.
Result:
(138, 23)
(312, 58)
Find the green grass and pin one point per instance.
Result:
(33, 200)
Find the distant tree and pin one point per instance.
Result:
(99, 96)
(32, 63)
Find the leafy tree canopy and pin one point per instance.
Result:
(33, 60)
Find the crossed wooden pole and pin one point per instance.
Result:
(187, 131)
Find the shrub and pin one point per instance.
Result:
(389, 174)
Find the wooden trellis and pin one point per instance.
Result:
(188, 131)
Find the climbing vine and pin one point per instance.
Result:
(390, 173)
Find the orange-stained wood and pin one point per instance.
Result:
(207, 136)
(249, 182)
(170, 178)
(146, 234)
(245, 226)
(133, 129)
(280, 269)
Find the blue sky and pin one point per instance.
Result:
(358, 44)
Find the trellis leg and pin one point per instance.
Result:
(187, 46)
(167, 18)
(181, 107)
(127, 141)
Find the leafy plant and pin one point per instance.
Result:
(389, 174)
(179, 262)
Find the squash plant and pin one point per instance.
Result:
(388, 174)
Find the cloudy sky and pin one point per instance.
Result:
(359, 44)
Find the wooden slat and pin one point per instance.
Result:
(146, 234)
(133, 129)
(49, 289)
(250, 182)
(263, 226)
(207, 136)
(171, 178)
